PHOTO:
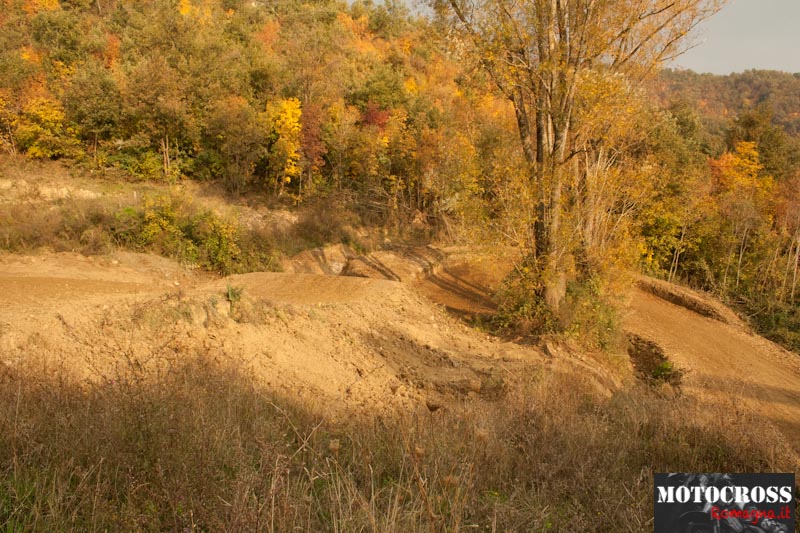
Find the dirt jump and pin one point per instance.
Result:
(388, 333)
(342, 344)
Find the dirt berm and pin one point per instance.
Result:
(344, 344)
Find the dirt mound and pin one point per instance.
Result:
(465, 282)
(352, 344)
(462, 281)
(692, 300)
(326, 260)
(344, 344)
(680, 337)
(403, 264)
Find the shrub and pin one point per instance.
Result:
(589, 315)
(521, 308)
(42, 133)
(166, 224)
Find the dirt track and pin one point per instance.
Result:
(369, 343)
(342, 344)
(724, 364)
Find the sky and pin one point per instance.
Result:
(748, 34)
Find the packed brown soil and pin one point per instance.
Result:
(389, 336)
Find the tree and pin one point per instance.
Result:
(238, 136)
(156, 103)
(682, 193)
(92, 101)
(538, 53)
(8, 122)
(774, 145)
(42, 132)
(283, 120)
(744, 195)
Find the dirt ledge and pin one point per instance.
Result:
(691, 300)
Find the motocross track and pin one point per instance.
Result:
(723, 363)
(387, 339)
(344, 345)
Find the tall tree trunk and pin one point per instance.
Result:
(673, 269)
(794, 275)
(742, 248)
(545, 174)
(792, 244)
(165, 155)
(12, 146)
(765, 280)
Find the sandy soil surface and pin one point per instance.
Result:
(390, 336)
(342, 344)
(723, 363)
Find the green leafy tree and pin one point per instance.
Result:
(93, 103)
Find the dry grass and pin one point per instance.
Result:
(201, 445)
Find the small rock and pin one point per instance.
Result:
(550, 349)
(432, 405)
(474, 385)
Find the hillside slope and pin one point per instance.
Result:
(723, 363)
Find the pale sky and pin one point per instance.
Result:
(748, 34)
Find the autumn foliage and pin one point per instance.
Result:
(439, 122)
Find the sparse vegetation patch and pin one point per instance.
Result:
(651, 363)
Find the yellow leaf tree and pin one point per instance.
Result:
(538, 53)
(744, 193)
(283, 118)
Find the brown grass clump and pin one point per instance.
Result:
(201, 445)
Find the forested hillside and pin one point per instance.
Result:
(282, 98)
(721, 98)
(409, 119)
(738, 234)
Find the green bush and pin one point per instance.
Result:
(780, 324)
(144, 165)
(521, 308)
(170, 226)
(165, 224)
(589, 315)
